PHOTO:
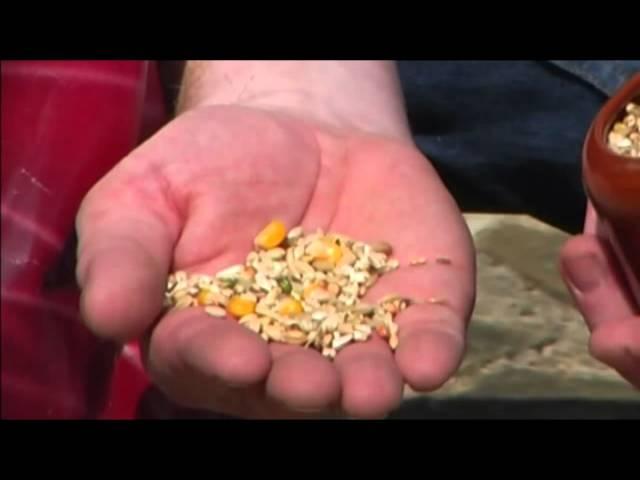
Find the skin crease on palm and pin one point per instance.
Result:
(194, 196)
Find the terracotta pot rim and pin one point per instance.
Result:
(610, 113)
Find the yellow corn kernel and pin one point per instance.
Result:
(239, 307)
(206, 297)
(271, 236)
(332, 252)
(290, 306)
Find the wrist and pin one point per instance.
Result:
(362, 96)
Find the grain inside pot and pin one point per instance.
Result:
(300, 288)
(624, 135)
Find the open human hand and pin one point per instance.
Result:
(193, 197)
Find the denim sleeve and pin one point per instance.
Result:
(606, 75)
(506, 136)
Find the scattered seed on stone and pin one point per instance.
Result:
(418, 261)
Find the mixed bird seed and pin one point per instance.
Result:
(624, 136)
(301, 288)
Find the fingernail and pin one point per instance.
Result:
(585, 273)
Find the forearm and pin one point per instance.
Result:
(361, 95)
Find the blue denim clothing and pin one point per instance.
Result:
(507, 135)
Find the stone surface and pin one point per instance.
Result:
(527, 343)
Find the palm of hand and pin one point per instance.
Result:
(212, 179)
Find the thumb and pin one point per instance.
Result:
(594, 280)
(124, 254)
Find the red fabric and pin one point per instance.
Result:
(64, 125)
(128, 385)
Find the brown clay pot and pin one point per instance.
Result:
(612, 183)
